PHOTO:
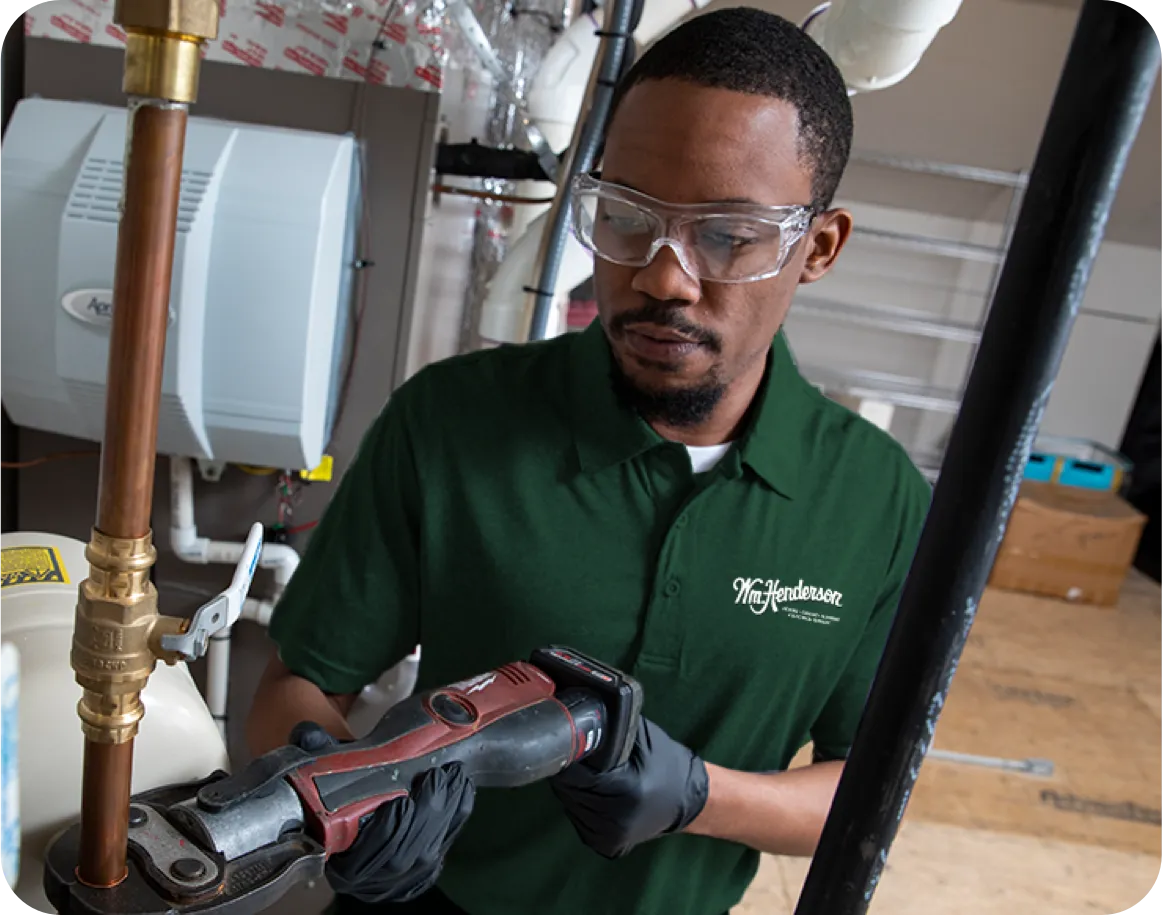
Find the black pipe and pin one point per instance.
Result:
(1103, 91)
(617, 30)
(472, 160)
(12, 70)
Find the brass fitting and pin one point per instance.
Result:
(116, 636)
(163, 47)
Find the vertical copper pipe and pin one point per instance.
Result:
(141, 300)
(105, 812)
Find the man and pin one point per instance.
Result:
(662, 491)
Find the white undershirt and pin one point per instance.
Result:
(704, 457)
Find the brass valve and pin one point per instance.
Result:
(163, 48)
(117, 636)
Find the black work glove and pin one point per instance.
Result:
(660, 789)
(400, 848)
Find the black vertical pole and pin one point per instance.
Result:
(1103, 91)
(12, 81)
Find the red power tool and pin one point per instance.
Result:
(236, 844)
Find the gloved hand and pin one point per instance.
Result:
(660, 789)
(400, 849)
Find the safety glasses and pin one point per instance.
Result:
(716, 242)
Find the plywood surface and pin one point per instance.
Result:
(936, 869)
(1077, 685)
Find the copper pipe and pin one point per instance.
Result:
(141, 299)
(141, 296)
(105, 816)
(117, 630)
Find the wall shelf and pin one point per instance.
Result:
(900, 391)
(884, 317)
(932, 385)
(924, 244)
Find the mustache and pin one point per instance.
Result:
(669, 315)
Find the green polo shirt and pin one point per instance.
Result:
(505, 500)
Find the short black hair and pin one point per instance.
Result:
(760, 53)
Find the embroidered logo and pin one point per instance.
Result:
(763, 594)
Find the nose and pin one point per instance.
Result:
(665, 279)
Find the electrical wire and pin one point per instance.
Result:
(489, 195)
(46, 459)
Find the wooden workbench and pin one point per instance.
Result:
(1078, 685)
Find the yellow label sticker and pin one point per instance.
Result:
(321, 474)
(31, 565)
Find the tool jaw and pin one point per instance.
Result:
(172, 874)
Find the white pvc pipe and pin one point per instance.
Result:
(660, 16)
(258, 611)
(878, 43)
(218, 678)
(558, 88)
(189, 547)
(503, 317)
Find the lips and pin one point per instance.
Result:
(659, 344)
(661, 334)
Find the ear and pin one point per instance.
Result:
(830, 230)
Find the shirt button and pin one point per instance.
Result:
(681, 521)
(672, 588)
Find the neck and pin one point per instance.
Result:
(727, 420)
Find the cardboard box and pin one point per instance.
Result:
(1066, 542)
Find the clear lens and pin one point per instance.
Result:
(724, 248)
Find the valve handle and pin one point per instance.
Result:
(222, 610)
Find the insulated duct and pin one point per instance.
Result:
(507, 42)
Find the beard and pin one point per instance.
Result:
(680, 408)
(677, 407)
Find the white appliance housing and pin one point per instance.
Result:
(260, 294)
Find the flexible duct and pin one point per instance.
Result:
(612, 53)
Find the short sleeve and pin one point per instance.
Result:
(835, 728)
(351, 609)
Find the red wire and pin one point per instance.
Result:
(300, 528)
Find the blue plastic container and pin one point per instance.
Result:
(1079, 463)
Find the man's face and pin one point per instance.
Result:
(675, 337)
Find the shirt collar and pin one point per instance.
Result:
(606, 432)
(773, 444)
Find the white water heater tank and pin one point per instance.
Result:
(259, 299)
(177, 740)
